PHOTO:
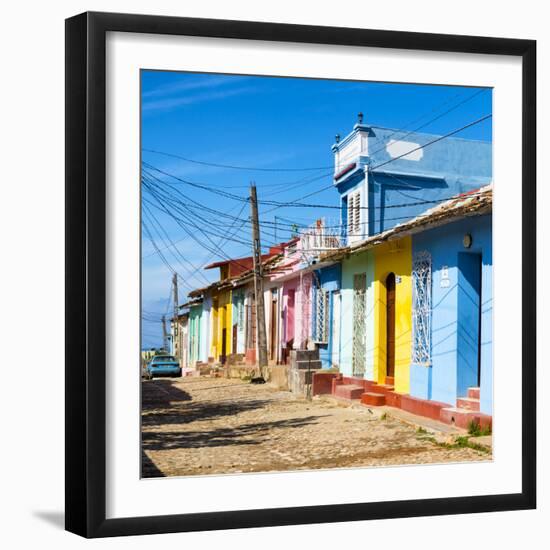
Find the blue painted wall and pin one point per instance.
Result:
(329, 278)
(455, 302)
(468, 303)
(452, 155)
(444, 169)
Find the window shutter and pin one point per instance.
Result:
(357, 213)
(350, 214)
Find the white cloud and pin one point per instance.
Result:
(174, 102)
(188, 85)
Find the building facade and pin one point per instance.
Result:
(453, 311)
(400, 297)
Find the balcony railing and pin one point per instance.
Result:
(320, 236)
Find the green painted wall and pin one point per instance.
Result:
(357, 263)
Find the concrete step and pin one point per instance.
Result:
(373, 399)
(473, 392)
(313, 364)
(469, 403)
(348, 391)
(304, 354)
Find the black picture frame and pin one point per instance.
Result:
(86, 274)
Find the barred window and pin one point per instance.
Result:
(321, 315)
(422, 308)
(359, 344)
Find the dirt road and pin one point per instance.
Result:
(211, 425)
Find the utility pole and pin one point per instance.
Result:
(164, 335)
(258, 283)
(175, 343)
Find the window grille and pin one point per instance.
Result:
(251, 323)
(305, 307)
(321, 315)
(422, 306)
(359, 352)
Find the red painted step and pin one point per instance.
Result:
(423, 407)
(383, 388)
(373, 399)
(348, 391)
(473, 393)
(390, 380)
(463, 417)
(468, 403)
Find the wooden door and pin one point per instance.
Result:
(224, 346)
(390, 325)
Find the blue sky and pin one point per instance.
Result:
(274, 131)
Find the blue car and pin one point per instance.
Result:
(162, 365)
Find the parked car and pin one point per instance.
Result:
(162, 365)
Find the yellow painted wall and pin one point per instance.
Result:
(214, 331)
(396, 257)
(222, 319)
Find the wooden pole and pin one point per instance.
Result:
(258, 282)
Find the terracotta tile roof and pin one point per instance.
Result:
(472, 203)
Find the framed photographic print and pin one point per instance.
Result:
(300, 274)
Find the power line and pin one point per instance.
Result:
(187, 217)
(170, 267)
(233, 167)
(466, 100)
(191, 234)
(439, 138)
(183, 260)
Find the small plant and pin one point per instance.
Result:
(462, 441)
(421, 430)
(384, 416)
(487, 430)
(474, 428)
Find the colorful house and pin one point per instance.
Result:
(384, 184)
(453, 310)
(221, 343)
(392, 313)
(197, 351)
(221, 320)
(399, 301)
(305, 297)
(295, 284)
(448, 330)
(356, 357)
(179, 338)
(384, 181)
(327, 313)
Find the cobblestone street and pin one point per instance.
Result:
(211, 425)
